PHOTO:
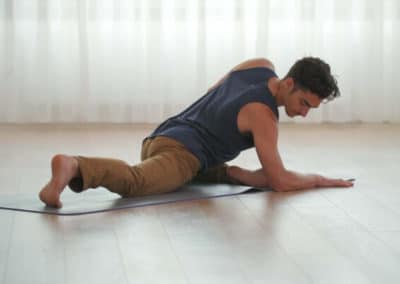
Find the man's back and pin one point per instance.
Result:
(208, 128)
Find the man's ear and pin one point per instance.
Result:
(289, 84)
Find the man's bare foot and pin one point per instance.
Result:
(63, 168)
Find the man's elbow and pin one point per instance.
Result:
(280, 184)
(280, 188)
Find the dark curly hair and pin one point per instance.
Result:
(313, 74)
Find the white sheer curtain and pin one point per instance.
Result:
(144, 60)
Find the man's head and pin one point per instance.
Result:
(308, 83)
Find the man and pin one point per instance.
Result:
(238, 112)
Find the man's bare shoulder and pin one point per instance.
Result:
(254, 63)
(248, 64)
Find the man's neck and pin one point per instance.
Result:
(274, 86)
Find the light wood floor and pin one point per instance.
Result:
(314, 236)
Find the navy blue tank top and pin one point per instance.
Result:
(208, 128)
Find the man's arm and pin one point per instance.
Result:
(261, 122)
(254, 178)
(252, 63)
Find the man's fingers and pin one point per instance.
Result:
(343, 183)
(337, 183)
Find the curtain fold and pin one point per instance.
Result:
(144, 60)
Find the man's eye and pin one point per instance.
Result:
(305, 103)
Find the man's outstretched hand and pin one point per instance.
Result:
(330, 182)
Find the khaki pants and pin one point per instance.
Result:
(166, 165)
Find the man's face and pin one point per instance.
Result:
(299, 102)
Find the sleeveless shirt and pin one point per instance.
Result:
(208, 128)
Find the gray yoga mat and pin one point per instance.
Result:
(101, 200)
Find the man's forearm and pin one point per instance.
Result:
(255, 178)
